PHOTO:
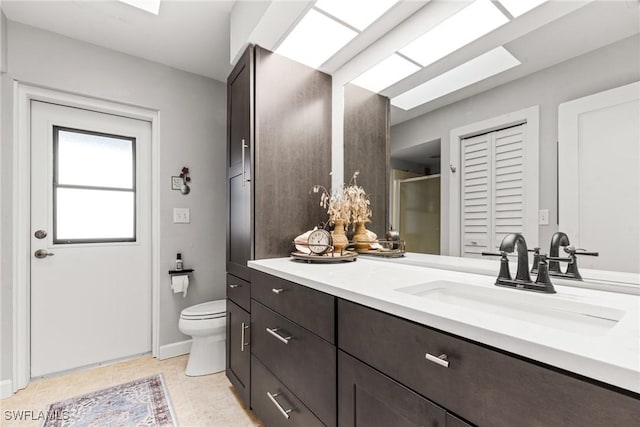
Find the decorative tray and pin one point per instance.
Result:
(383, 253)
(386, 249)
(325, 258)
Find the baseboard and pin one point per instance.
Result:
(176, 349)
(6, 389)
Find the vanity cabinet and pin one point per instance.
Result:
(485, 386)
(238, 351)
(278, 148)
(368, 398)
(240, 113)
(292, 339)
(275, 404)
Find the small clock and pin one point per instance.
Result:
(319, 241)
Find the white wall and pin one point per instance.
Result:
(605, 68)
(192, 133)
(6, 101)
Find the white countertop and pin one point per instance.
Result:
(627, 283)
(611, 355)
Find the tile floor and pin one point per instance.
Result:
(207, 401)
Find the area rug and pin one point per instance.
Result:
(141, 402)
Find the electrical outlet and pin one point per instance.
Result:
(181, 215)
(543, 217)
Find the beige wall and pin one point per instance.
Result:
(192, 133)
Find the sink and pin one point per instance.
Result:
(540, 309)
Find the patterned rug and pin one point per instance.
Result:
(141, 402)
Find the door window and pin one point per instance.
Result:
(94, 191)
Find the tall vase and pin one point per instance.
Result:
(340, 240)
(360, 237)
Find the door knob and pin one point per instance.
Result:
(42, 253)
(40, 234)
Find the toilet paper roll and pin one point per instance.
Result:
(180, 283)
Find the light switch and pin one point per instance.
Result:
(543, 217)
(181, 215)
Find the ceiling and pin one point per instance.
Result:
(590, 26)
(188, 35)
(195, 35)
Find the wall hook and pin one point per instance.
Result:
(184, 174)
(453, 168)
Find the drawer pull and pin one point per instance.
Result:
(441, 360)
(285, 412)
(233, 286)
(242, 338)
(274, 332)
(277, 290)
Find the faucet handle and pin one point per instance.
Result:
(574, 251)
(543, 280)
(536, 259)
(504, 273)
(560, 259)
(503, 254)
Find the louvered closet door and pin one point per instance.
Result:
(492, 190)
(508, 183)
(476, 195)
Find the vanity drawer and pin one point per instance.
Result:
(239, 291)
(274, 403)
(305, 363)
(485, 386)
(307, 307)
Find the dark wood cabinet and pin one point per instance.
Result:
(293, 336)
(275, 404)
(367, 398)
(367, 134)
(304, 362)
(311, 309)
(453, 421)
(485, 386)
(238, 350)
(279, 147)
(239, 291)
(239, 147)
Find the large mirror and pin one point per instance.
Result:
(475, 156)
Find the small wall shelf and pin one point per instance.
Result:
(180, 272)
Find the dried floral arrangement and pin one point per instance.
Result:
(335, 204)
(349, 203)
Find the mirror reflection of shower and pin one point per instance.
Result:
(415, 196)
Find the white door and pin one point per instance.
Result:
(90, 229)
(599, 177)
(492, 189)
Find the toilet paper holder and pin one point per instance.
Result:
(182, 272)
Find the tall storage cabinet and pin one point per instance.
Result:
(279, 146)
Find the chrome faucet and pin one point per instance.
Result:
(522, 279)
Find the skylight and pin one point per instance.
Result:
(385, 73)
(469, 24)
(357, 13)
(520, 7)
(151, 6)
(484, 66)
(315, 39)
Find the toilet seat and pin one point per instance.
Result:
(204, 311)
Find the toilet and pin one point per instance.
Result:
(206, 323)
